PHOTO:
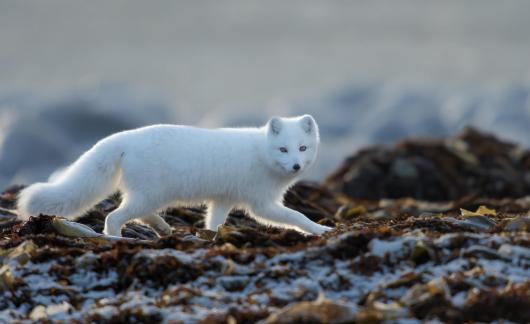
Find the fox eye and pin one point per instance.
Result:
(283, 149)
(303, 148)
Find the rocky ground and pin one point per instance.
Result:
(425, 230)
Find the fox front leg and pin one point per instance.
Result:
(217, 214)
(279, 215)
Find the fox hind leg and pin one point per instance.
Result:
(129, 209)
(158, 224)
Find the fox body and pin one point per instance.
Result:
(165, 165)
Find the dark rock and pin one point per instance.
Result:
(470, 164)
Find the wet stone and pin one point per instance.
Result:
(478, 222)
(521, 224)
(382, 214)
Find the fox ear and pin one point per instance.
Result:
(275, 125)
(308, 123)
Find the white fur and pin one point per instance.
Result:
(162, 165)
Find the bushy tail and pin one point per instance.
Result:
(90, 179)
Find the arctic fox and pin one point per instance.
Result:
(159, 166)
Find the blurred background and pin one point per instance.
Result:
(370, 72)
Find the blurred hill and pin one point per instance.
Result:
(368, 71)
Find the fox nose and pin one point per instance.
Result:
(296, 167)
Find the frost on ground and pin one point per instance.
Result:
(411, 265)
(386, 260)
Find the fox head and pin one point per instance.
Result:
(292, 144)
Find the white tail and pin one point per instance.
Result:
(90, 179)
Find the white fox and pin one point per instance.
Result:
(159, 166)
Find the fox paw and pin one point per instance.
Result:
(320, 229)
(162, 229)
